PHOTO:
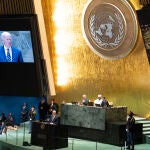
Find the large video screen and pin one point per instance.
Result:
(19, 44)
(20, 56)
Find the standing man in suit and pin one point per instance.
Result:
(52, 106)
(130, 131)
(42, 107)
(32, 117)
(8, 53)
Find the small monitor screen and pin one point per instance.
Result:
(16, 46)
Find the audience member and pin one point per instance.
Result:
(130, 131)
(10, 120)
(84, 100)
(42, 107)
(32, 117)
(3, 128)
(24, 112)
(52, 106)
(3, 118)
(98, 101)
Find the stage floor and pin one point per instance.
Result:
(14, 139)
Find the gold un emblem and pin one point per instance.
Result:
(110, 27)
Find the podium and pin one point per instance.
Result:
(49, 136)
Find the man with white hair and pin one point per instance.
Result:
(84, 100)
(8, 53)
(98, 101)
(53, 120)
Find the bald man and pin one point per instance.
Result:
(8, 53)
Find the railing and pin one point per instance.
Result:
(19, 137)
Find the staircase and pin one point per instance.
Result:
(146, 128)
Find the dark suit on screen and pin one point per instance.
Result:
(16, 55)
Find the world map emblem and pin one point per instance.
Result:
(110, 27)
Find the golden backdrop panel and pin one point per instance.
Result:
(79, 71)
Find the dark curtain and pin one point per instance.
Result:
(144, 22)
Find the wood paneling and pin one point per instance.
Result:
(16, 7)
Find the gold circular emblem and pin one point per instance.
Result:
(110, 27)
(42, 126)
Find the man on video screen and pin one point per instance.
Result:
(8, 53)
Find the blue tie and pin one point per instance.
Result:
(8, 56)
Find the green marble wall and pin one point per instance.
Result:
(83, 116)
(91, 117)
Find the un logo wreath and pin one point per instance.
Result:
(110, 28)
(105, 44)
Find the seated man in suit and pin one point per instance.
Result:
(53, 119)
(10, 120)
(104, 103)
(84, 100)
(98, 101)
(7, 52)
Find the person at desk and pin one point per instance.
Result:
(104, 103)
(53, 119)
(84, 100)
(98, 101)
(7, 52)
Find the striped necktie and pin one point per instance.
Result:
(8, 56)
